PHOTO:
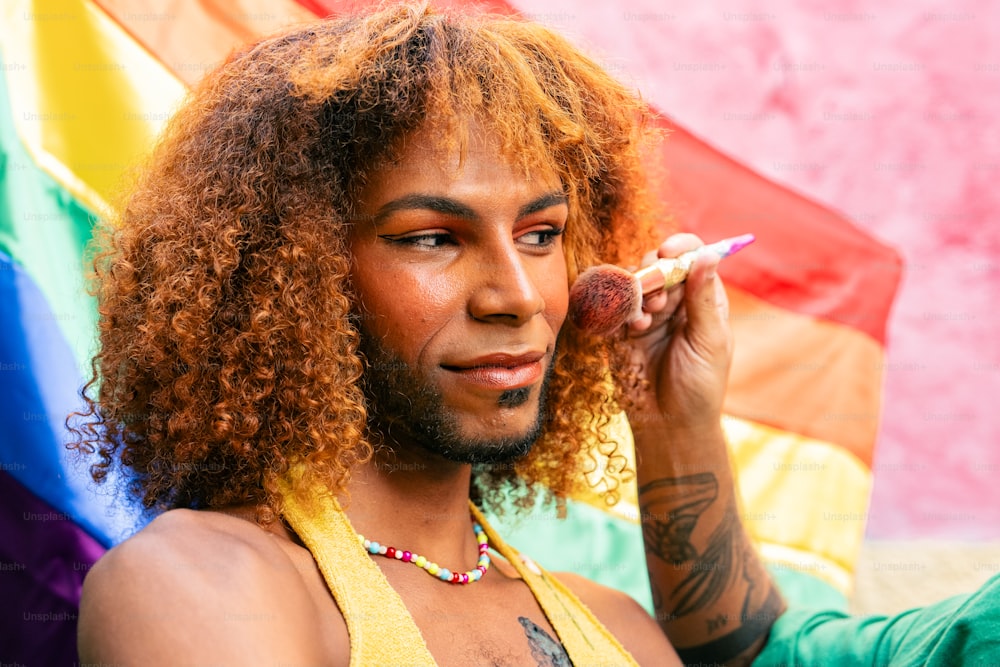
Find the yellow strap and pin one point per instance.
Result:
(586, 640)
(381, 629)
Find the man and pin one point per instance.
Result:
(334, 306)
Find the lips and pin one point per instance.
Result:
(500, 371)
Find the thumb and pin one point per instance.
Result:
(707, 307)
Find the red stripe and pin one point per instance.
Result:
(806, 259)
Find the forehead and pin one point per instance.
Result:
(436, 156)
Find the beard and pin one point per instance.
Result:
(403, 405)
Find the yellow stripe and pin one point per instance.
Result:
(802, 493)
(87, 100)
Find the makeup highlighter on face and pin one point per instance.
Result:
(606, 297)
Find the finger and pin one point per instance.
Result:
(679, 244)
(641, 324)
(722, 300)
(655, 302)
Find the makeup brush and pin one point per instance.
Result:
(605, 297)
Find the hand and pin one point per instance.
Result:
(683, 346)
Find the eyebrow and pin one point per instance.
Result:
(452, 207)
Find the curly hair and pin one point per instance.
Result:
(228, 342)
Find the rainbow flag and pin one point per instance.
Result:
(85, 87)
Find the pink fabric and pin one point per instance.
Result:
(890, 115)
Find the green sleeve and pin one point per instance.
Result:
(963, 630)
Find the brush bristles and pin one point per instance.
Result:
(604, 298)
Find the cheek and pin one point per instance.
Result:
(403, 308)
(555, 290)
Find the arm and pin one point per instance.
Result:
(711, 593)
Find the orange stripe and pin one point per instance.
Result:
(191, 38)
(809, 376)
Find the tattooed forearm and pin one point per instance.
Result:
(713, 586)
(672, 508)
(750, 631)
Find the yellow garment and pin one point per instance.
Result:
(382, 631)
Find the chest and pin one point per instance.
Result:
(492, 622)
(501, 624)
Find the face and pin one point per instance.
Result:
(462, 289)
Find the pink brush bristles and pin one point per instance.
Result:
(606, 297)
(603, 298)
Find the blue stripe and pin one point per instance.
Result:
(39, 384)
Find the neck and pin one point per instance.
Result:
(414, 500)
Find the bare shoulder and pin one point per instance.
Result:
(625, 619)
(196, 585)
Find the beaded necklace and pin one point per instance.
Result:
(433, 569)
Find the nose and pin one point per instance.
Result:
(506, 290)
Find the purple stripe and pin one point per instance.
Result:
(43, 559)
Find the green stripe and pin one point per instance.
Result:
(45, 230)
(590, 542)
(804, 591)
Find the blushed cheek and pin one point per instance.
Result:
(556, 317)
(405, 309)
(556, 295)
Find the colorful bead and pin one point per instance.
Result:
(433, 569)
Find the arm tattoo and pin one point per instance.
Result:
(671, 510)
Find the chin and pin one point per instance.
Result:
(493, 451)
(497, 441)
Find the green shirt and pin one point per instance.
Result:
(960, 631)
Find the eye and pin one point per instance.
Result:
(542, 238)
(433, 240)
